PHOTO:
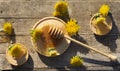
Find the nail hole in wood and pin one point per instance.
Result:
(1, 12)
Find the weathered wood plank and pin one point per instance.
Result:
(105, 44)
(19, 39)
(38, 61)
(23, 26)
(70, 69)
(77, 10)
(82, 13)
(24, 9)
(3, 63)
(24, 13)
(36, 9)
(108, 43)
(33, 62)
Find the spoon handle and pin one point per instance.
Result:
(112, 57)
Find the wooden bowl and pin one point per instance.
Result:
(61, 45)
(94, 29)
(17, 62)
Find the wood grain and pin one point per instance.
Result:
(106, 44)
(23, 14)
(38, 61)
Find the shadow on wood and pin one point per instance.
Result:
(110, 39)
(61, 63)
(103, 63)
(5, 38)
(63, 60)
(28, 66)
(81, 68)
(77, 47)
(112, 64)
(13, 37)
(65, 17)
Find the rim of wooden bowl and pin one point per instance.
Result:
(93, 28)
(17, 62)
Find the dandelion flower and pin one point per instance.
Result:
(100, 20)
(56, 14)
(76, 61)
(61, 8)
(102, 27)
(17, 50)
(36, 34)
(104, 9)
(7, 28)
(72, 27)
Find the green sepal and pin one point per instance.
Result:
(98, 15)
(51, 49)
(10, 47)
(31, 32)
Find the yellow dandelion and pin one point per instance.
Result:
(72, 27)
(76, 61)
(7, 28)
(61, 7)
(36, 34)
(100, 20)
(104, 9)
(16, 50)
(56, 14)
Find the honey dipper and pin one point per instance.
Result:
(57, 33)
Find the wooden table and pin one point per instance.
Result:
(25, 13)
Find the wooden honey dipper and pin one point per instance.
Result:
(57, 33)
